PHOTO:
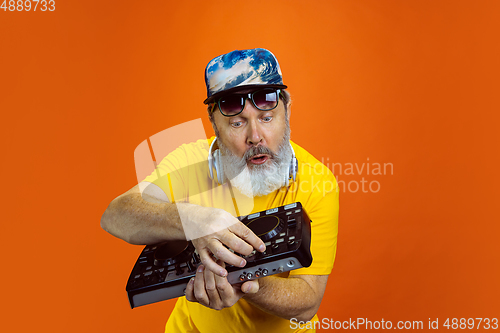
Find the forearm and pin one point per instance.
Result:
(292, 297)
(138, 221)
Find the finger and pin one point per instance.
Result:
(190, 291)
(208, 261)
(250, 287)
(243, 232)
(222, 253)
(225, 290)
(235, 243)
(212, 292)
(199, 287)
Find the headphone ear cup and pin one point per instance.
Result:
(218, 167)
(292, 172)
(211, 161)
(292, 168)
(211, 166)
(295, 168)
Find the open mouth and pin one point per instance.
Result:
(259, 159)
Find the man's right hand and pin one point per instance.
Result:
(209, 229)
(143, 217)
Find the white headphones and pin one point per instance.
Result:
(217, 171)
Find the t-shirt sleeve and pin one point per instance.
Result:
(161, 174)
(173, 174)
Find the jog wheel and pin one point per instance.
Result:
(266, 227)
(172, 253)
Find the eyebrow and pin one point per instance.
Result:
(258, 115)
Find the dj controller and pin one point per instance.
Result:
(163, 270)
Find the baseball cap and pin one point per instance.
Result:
(241, 69)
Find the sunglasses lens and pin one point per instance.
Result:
(231, 105)
(265, 99)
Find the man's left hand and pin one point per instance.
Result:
(214, 291)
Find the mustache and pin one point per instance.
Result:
(258, 150)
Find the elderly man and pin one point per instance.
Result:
(253, 157)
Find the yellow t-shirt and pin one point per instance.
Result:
(184, 176)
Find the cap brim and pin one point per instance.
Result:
(239, 88)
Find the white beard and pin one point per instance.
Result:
(257, 180)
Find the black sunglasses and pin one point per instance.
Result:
(265, 100)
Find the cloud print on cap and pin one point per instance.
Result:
(239, 68)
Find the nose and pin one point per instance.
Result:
(254, 134)
(254, 137)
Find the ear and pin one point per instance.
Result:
(211, 116)
(210, 111)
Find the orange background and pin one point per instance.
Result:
(412, 83)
